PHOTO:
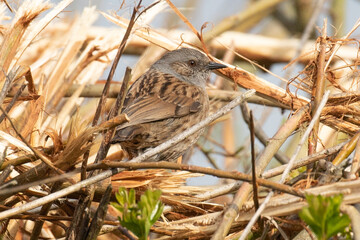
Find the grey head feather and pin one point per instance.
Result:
(188, 65)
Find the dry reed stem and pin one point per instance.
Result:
(95, 90)
(355, 162)
(260, 134)
(25, 14)
(305, 161)
(273, 50)
(346, 150)
(40, 26)
(218, 173)
(318, 88)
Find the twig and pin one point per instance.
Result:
(209, 158)
(5, 173)
(253, 164)
(126, 233)
(318, 89)
(105, 145)
(22, 187)
(196, 169)
(8, 6)
(218, 191)
(283, 234)
(98, 219)
(305, 161)
(13, 101)
(355, 162)
(253, 167)
(6, 86)
(289, 166)
(183, 18)
(347, 149)
(260, 134)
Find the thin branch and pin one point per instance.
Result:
(288, 168)
(22, 187)
(355, 162)
(115, 63)
(13, 101)
(253, 164)
(5, 173)
(98, 219)
(6, 87)
(196, 169)
(260, 134)
(318, 88)
(305, 161)
(105, 145)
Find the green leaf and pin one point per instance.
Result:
(324, 217)
(138, 217)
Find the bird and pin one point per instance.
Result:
(167, 99)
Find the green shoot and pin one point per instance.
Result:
(324, 217)
(138, 217)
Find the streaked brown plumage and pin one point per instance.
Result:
(166, 100)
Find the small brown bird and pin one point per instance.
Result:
(166, 100)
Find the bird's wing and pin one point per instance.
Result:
(157, 96)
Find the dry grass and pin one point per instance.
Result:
(50, 85)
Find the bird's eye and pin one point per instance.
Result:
(192, 63)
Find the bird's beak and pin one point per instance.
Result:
(214, 65)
